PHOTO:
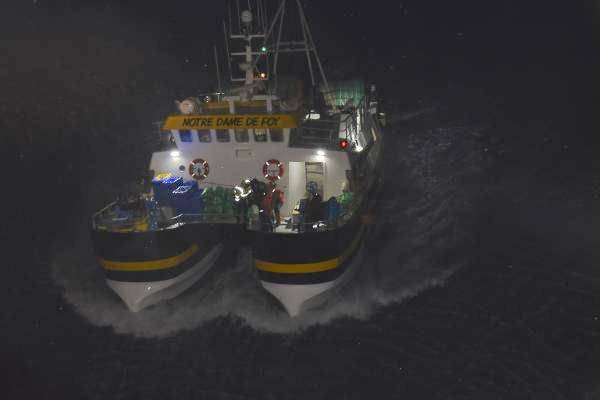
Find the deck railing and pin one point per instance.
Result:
(103, 222)
(205, 218)
(343, 123)
(145, 223)
(320, 225)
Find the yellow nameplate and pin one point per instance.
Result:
(272, 121)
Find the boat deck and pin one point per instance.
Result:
(286, 227)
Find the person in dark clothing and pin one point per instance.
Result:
(315, 211)
(241, 201)
(256, 195)
(266, 223)
(333, 212)
(241, 210)
(302, 205)
(258, 188)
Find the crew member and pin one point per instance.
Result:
(315, 211)
(302, 206)
(267, 210)
(333, 211)
(277, 202)
(241, 205)
(258, 196)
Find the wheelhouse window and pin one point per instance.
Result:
(185, 136)
(204, 136)
(241, 136)
(223, 136)
(260, 135)
(167, 141)
(276, 135)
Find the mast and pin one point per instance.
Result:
(259, 62)
(219, 90)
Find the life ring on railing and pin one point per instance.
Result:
(272, 169)
(199, 169)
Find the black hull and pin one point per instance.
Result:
(306, 258)
(314, 257)
(157, 255)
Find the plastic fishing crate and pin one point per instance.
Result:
(157, 181)
(163, 190)
(193, 204)
(187, 190)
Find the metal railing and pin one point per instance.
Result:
(320, 225)
(146, 223)
(345, 123)
(252, 222)
(322, 132)
(201, 218)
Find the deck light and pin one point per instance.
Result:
(174, 153)
(320, 155)
(263, 75)
(263, 49)
(312, 114)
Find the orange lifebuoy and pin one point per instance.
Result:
(199, 169)
(272, 169)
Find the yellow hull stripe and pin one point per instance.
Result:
(297, 268)
(306, 268)
(150, 265)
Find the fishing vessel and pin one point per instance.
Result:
(289, 163)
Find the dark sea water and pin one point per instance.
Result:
(480, 280)
(477, 283)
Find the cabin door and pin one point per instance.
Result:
(303, 177)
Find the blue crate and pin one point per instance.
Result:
(189, 205)
(157, 182)
(187, 190)
(190, 183)
(163, 188)
(172, 182)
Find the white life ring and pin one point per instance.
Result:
(199, 169)
(272, 169)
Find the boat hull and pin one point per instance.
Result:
(144, 268)
(296, 268)
(139, 295)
